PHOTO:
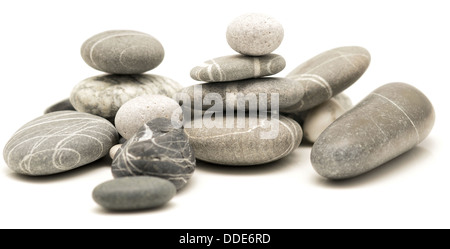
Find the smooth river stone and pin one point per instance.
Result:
(59, 141)
(245, 140)
(238, 67)
(103, 95)
(254, 34)
(122, 52)
(388, 122)
(133, 193)
(63, 105)
(158, 149)
(251, 94)
(328, 74)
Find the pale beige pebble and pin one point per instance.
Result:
(113, 150)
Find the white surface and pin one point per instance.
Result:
(408, 41)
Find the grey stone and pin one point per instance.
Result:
(254, 34)
(388, 122)
(320, 117)
(122, 52)
(133, 193)
(328, 74)
(103, 95)
(238, 67)
(63, 105)
(59, 141)
(251, 94)
(243, 140)
(159, 148)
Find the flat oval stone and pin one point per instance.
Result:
(243, 140)
(63, 105)
(251, 94)
(122, 52)
(103, 95)
(138, 111)
(59, 141)
(159, 148)
(238, 67)
(388, 122)
(254, 34)
(133, 193)
(328, 74)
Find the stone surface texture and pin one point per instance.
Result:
(388, 122)
(59, 141)
(103, 95)
(238, 67)
(159, 149)
(254, 34)
(122, 52)
(328, 74)
(63, 105)
(133, 193)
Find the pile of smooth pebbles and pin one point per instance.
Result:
(138, 119)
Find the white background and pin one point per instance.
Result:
(408, 41)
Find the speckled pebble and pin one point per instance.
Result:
(133, 193)
(254, 34)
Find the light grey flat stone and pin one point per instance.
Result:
(388, 122)
(328, 74)
(59, 141)
(238, 67)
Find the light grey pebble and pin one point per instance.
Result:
(103, 95)
(113, 150)
(59, 141)
(122, 52)
(133, 193)
(138, 111)
(388, 122)
(159, 148)
(243, 140)
(238, 67)
(320, 117)
(63, 105)
(254, 34)
(328, 74)
(252, 94)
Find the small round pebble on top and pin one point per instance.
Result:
(254, 34)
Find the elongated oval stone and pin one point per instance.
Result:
(59, 141)
(243, 140)
(388, 122)
(328, 74)
(157, 149)
(103, 95)
(238, 67)
(265, 93)
(122, 52)
(133, 193)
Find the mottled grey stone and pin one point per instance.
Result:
(388, 122)
(328, 74)
(238, 67)
(122, 52)
(63, 105)
(243, 140)
(320, 117)
(138, 111)
(59, 141)
(133, 193)
(103, 95)
(251, 94)
(159, 148)
(254, 34)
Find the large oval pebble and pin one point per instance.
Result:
(388, 122)
(59, 141)
(103, 95)
(133, 193)
(243, 140)
(122, 52)
(328, 74)
(238, 67)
